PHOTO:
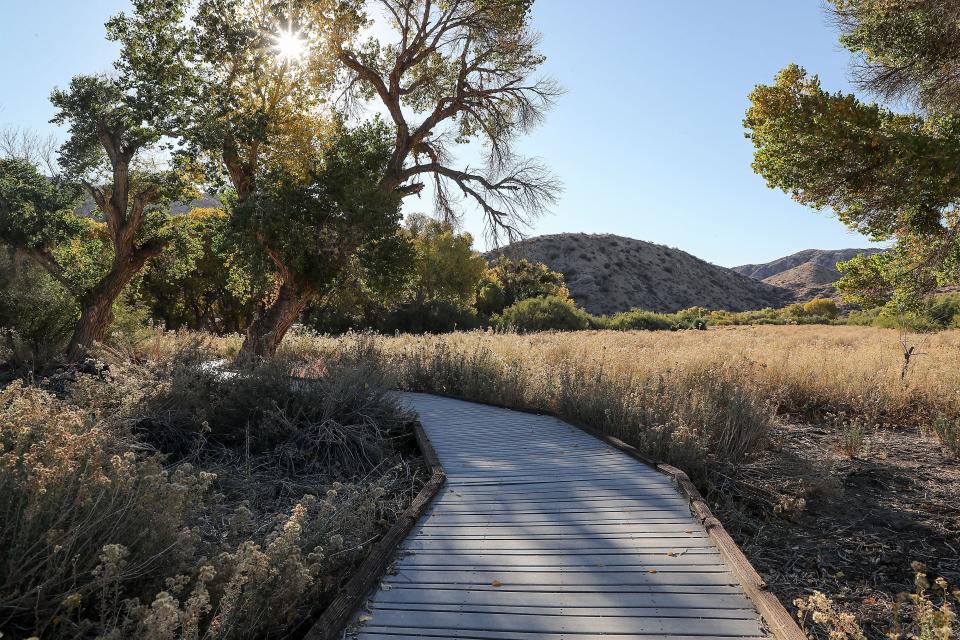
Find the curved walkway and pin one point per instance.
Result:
(543, 532)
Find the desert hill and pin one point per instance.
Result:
(808, 274)
(608, 273)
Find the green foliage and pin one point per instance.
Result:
(431, 289)
(819, 309)
(826, 307)
(315, 224)
(507, 281)
(867, 280)
(929, 314)
(206, 279)
(886, 174)
(640, 320)
(543, 314)
(36, 313)
(447, 267)
(438, 316)
(440, 293)
(36, 213)
(907, 47)
(881, 172)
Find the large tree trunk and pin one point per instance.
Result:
(265, 333)
(96, 306)
(95, 318)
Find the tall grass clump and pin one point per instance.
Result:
(686, 415)
(179, 498)
(649, 382)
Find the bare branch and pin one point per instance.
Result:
(465, 70)
(30, 146)
(508, 203)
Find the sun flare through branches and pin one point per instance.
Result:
(289, 45)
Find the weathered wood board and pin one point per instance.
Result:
(542, 532)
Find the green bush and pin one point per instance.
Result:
(644, 320)
(944, 310)
(435, 316)
(37, 314)
(826, 307)
(544, 314)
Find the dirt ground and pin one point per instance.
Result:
(811, 517)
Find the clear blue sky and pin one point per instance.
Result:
(648, 139)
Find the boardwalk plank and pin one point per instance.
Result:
(562, 624)
(545, 533)
(549, 601)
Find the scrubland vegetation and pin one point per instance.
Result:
(219, 446)
(244, 477)
(171, 498)
(831, 467)
(175, 462)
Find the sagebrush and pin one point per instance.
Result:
(176, 498)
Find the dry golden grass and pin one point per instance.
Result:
(816, 370)
(691, 395)
(687, 394)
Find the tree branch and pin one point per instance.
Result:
(45, 259)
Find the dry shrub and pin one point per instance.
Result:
(930, 612)
(68, 487)
(948, 430)
(166, 499)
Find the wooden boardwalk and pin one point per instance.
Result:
(543, 532)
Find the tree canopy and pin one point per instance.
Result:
(267, 102)
(890, 175)
(508, 281)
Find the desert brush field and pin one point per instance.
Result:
(831, 466)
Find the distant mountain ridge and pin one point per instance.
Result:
(808, 274)
(607, 274)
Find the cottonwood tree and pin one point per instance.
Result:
(330, 213)
(889, 175)
(447, 269)
(508, 281)
(258, 109)
(454, 71)
(114, 122)
(268, 71)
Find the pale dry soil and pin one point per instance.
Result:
(810, 517)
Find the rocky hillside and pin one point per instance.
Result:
(808, 274)
(607, 274)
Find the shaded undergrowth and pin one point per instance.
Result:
(178, 498)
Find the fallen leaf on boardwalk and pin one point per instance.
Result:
(366, 618)
(496, 583)
(671, 554)
(689, 531)
(652, 571)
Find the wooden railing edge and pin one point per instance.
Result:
(779, 621)
(333, 621)
(774, 614)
